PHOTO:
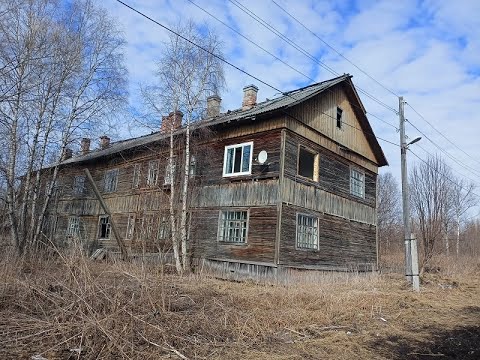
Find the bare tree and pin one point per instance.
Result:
(389, 212)
(65, 75)
(463, 199)
(430, 196)
(186, 75)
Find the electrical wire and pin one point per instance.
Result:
(279, 59)
(335, 50)
(442, 175)
(439, 132)
(304, 52)
(458, 162)
(238, 68)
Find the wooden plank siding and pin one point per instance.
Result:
(320, 113)
(334, 171)
(260, 245)
(342, 243)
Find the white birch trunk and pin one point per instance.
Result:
(183, 219)
(173, 227)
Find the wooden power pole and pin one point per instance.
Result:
(411, 267)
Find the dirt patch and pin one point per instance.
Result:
(460, 343)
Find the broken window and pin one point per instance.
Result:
(238, 159)
(357, 183)
(79, 185)
(152, 176)
(73, 227)
(339, 117)
(104, 227)
(233, 226)
(111, 179)
(308, 163)
(307, 232)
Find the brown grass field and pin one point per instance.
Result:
(69, 307)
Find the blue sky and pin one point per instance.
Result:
(427, 51)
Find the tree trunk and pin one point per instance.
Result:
(183, 219)
(175, 246)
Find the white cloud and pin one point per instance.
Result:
(426, 51)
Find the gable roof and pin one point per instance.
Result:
(287, 100)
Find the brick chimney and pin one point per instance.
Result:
(85, 146)
(67, 154)
(172, 121)
(249, 97)
(213, 106)
(104, 142)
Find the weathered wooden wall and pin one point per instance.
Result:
(334, 171)
(320, 113)
(260, 245)
(343, 244)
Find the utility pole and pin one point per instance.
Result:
(412, 277)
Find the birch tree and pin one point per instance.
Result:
(65, 74)
(186, 75)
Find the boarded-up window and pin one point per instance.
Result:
(73, 227)
(308, 163)
(79, 185)
(307, 232)
(238, 159)
(233, 226)
(152, 176)
(357, 183)
(136, 176)
(193, 165)
(111, 179)
(104, 227)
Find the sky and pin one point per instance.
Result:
(426, 51)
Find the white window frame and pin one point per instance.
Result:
(355, 180)
(298, 233)
(73, 227)
(243, 145)
(137, 173)
(78, 185)
(152, 174)
(108, 230)
(111, 186)
(130, 227)
(223, 222)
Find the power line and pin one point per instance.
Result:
(235, 66)
(277, 58)
(439, 132)
(466, 167)
(304, 52)
(431, 155)
(442, 175)
(335, 50)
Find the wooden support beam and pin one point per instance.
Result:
(121, 244)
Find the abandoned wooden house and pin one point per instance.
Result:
(285, 183)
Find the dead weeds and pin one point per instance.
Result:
(68, 307)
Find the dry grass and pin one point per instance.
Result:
(67, 307)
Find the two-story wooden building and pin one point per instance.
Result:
(288, 182)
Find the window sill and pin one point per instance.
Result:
(232, 243)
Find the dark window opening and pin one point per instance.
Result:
(306, 163)
(339, 117)
(104, 227)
